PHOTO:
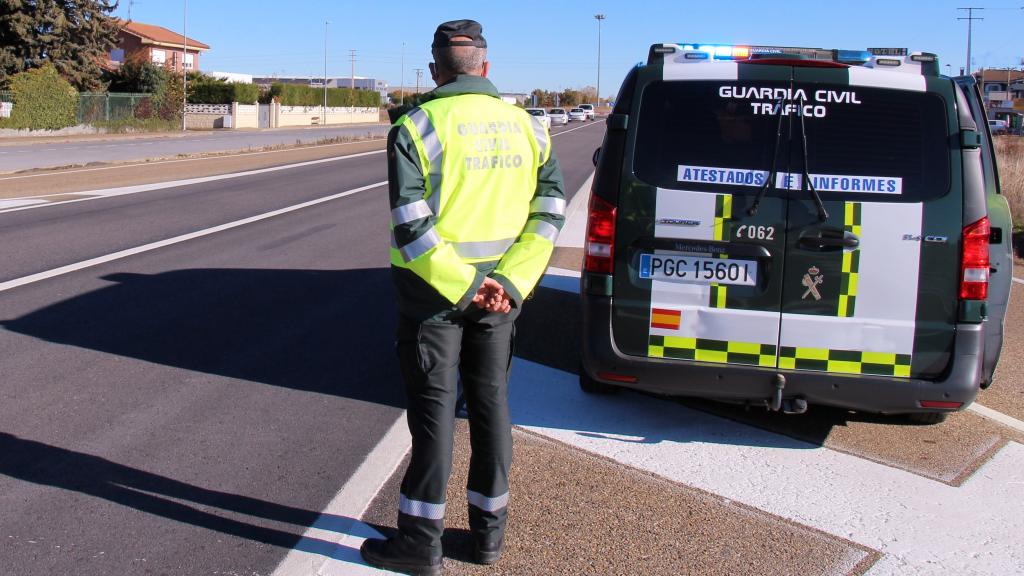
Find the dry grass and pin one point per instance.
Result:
(1010, 155)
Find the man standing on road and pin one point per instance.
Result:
(477, 201)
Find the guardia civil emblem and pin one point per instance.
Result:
(811, 281)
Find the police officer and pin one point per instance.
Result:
(477, 201)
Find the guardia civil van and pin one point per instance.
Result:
(782, 226)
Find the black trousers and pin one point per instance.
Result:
(434, 354)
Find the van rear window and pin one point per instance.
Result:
(869, 143)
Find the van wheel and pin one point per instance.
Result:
(926, 418)
(591, 386)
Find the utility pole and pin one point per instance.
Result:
(970, 25)
(324, 115)
(352, 59)
(419, 74)
(599, 18)
(402, 87)
(184, 72)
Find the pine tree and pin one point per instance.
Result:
(73, 35)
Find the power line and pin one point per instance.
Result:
(970, 26)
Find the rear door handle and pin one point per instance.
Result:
(827, 240)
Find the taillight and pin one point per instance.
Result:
(600, 237)
(974, 261)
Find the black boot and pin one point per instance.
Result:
(399, 555)
(488, 549)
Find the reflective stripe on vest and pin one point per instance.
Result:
(419, 246)
(434, 150)
(541, 134)
(548, 205)
(409, 212)
(485, 249)
(543, 229)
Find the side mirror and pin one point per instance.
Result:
(597, 154)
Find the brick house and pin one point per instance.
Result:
(156, 44)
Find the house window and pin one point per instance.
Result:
(117, 55)
(189, 61)
(159, 56)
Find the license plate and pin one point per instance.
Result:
(698, 269)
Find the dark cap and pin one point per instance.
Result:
(468, 28)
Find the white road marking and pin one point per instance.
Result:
(17, 202)
(991, 414)
(553, 134)
(1018, 280)
(920, 525)
(574, 232)
(331, 545)
(124, 190)
(158, 162)
(24, 280)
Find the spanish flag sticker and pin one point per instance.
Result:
(662, 318)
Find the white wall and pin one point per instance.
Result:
(312, 115)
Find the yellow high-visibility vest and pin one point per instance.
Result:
(480, 158)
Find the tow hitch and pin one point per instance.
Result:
(786, 405)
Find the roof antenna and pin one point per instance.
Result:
(130, 4)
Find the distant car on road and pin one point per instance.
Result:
(558, 116)
(577, 114)
(588, 109)
(541, 114)
(998, 127)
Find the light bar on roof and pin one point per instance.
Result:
(717, 51)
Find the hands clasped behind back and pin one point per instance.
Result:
(491, 296)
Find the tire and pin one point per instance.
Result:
(926, 418)
(591, 386)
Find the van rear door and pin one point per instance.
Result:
(698, 273)
(872, 288)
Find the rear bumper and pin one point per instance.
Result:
(754, 385)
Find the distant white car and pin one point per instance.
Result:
(998, 127)
(588, 109)
(541, 115)
(577, 114)
(558, 116)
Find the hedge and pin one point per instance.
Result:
(206, 92)
(300, 95)
(42, 100)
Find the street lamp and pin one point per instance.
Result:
(184, 72)
(324, 115)
(599, 18)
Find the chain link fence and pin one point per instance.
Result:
(94, 106)
(107, 106)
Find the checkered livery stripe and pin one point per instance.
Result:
(718, 351)
(844, 361)
(723, 213)
(851, 263)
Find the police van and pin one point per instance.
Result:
(782, 226)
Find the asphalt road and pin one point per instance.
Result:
(15, 156)
(191, 409)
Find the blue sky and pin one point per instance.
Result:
(553, 44)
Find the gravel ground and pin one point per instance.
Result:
(574, 513)
(110, 176)
(1007, 391)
